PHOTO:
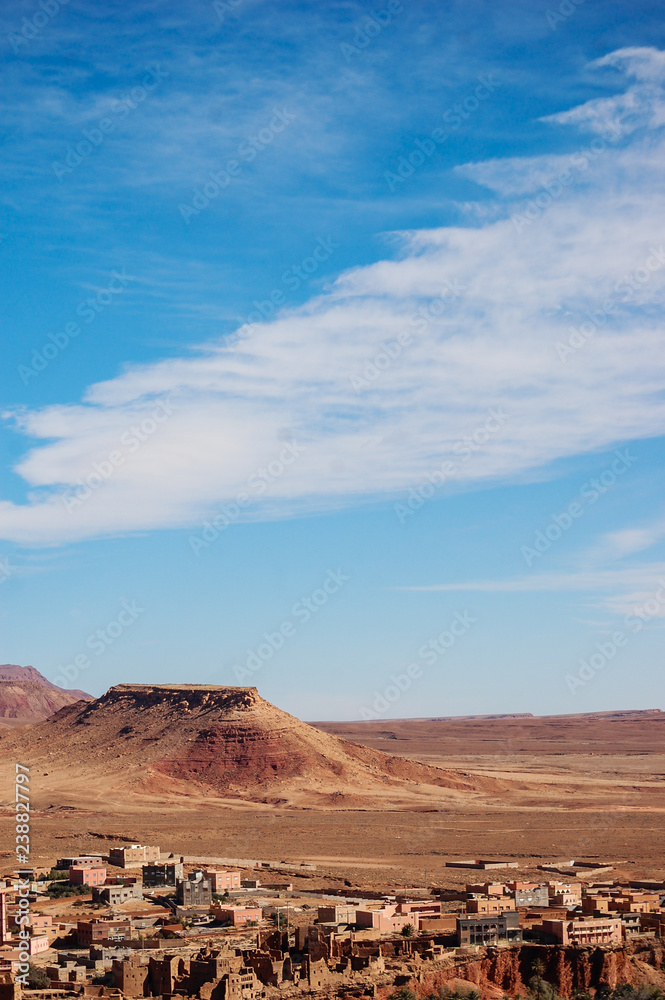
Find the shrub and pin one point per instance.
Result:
(37, 978)
(57, 891)
(403, 993)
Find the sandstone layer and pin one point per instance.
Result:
(224, 742)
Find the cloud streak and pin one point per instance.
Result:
(493, 346)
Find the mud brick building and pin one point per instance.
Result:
(98, 930)
(340, 914)
(135, 854)
(211, 975)
(568, 894)
(9, 988)
(96, 860)
(115, 894)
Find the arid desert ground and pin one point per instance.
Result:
(532, 790)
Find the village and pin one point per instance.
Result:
(139, 922)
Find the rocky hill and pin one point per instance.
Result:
(26, 696)
(220, 741)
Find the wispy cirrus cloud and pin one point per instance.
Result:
(493, 345)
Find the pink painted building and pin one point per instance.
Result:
(221, 879)
(86, 875)
(236, 915)
(582, 932)
(386, 919)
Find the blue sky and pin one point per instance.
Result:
(332, 351)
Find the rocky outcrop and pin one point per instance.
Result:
(509, 969)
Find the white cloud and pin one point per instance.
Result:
(641, 104)
(492, 346)
(627, 590)
(617, 544)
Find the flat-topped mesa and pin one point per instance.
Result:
(228, 740)
(183, 697)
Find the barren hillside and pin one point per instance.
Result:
(26, 696)
(222, 741)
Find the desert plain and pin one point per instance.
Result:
(533, 790)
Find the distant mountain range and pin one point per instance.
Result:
(26, 696)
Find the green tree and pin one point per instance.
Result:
(408, 930)
(539, 988)
(403, 993)
(57, 891)
(37, 978)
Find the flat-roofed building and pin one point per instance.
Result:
(582, 932)
(532, 896)
(222, 879)
(90, 932)
(134, 854)
(385, 919)
(490, 904)
(193, 891)
(159, 875)
(489, 930)
(87, 875)
(239, 916)
(116, 894)
(94, 860)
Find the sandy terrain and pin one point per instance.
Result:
(534, 790)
